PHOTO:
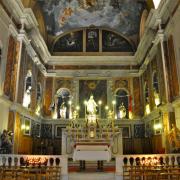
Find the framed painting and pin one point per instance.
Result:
(27, 127)
(58, 131)
(126, 131)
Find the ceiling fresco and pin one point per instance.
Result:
(64, 15)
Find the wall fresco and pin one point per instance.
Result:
(63, 15)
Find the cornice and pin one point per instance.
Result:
(92, 60)
(5, 100)
(156, 113)
(23, 111)
(94, 73)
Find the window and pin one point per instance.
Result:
(156, 89)
(38, 99)
(27, 90)
(156, 3)
(146, 97)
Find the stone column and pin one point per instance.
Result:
(75, 92)
(161, 39)
(100, 40)
(109, 92)
(84, 40)
(18, 58)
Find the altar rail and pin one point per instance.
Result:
(36, 160)
(145, 160)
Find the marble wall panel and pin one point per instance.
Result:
(138, 105)
(172, 70)
(10, 62)
(47, 96)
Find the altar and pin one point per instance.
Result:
(92, 138)
(79, 146)
(92, 152)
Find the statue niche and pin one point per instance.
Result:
(60, 105)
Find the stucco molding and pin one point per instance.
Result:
(92, 60)
(94, 73)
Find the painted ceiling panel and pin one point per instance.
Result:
(120, 15)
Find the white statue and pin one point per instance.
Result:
(63, 110)
(27, 97)
(122, 111)
(91, 106)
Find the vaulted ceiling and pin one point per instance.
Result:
(64, 15)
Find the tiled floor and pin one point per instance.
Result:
(91, 176)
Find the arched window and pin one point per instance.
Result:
(156, 89)
(38, 98)
(122, 104)
(27, 90)
(146, 93)
(146, 98)
(62, 104)
(39, 92)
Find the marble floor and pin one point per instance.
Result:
(91, 176)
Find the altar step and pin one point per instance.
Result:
(91, 163)
(91, 176)
(91, 166)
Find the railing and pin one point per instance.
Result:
(36, 160)
(146, 160)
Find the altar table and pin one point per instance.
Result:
(92, 152)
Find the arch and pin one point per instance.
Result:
(122, 103)
(142, 23)
(61, 107)
(116, 40)
(63, 91)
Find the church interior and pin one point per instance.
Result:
(89, 85)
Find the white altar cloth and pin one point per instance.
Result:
(92, 152)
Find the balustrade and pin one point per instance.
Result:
(33, 166)
(153, 166)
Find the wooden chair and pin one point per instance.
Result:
(26, 174)
(150, 176)
(8, 173)
(54, 173)
(135, 173)
(51, 173)
(169, 176)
